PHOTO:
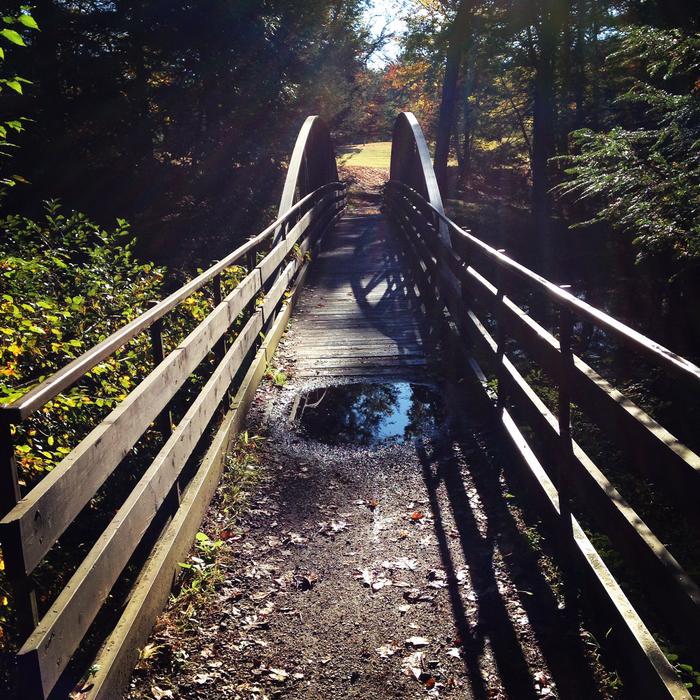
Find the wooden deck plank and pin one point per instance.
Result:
(359, 314)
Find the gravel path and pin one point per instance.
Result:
(399, 571)
(404, 571)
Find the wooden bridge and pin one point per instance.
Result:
(387, 296)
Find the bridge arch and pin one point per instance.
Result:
(312, 164)
(412, 166)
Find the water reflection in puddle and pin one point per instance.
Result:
(368, 414)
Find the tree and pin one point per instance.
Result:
(457, 38)
(644, 177)
(172, 114)
(11, 37)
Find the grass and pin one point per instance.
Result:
(370, 155)
(366, 155)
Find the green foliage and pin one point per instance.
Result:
(202, 574)
(277, 376)
(646, 179)
(67, 284)
(191, 108)
(10, 38)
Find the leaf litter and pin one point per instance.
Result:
(301, 625)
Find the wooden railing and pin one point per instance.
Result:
(258, 309)
(489, 324)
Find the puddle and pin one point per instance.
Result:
(368, 414)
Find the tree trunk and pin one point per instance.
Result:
(465, 166)
(456, 38)
(579, 71)
(544, 123)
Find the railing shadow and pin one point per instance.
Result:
(384, 287)
(560, 645)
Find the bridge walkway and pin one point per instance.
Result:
(387, 570)
(360, 312)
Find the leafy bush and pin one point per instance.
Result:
(66, 285)
(646, 179)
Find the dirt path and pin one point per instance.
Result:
(396, 572)
(339, 571)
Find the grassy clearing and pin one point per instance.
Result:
(371, 155)
(366, 155)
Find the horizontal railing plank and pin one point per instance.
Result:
(48, 650)
(673, 464)
(561, 297)
(31, 528)
(36, 522)
(673, 591)
(78, 368)
(120, 652)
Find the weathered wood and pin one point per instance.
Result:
(48, 650)
(645, 666)
(273, 259)
(580, 309)
(78, 368)
(121, 650)
(674, 593)
(360, 295)
(674, 467)
(678, 596)
(44, 514)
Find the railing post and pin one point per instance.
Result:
(23, 593)
(163, 421)
(564, 458)
(220, 345)
(501, 337)
(250, 260)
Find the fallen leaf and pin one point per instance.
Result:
(417, 642)
(296, 538)
(253, 623)
(413, 665)
(332, 528)
(437, 578)
(401, 563)
(375, 581)
(305, 582)
(416, 596)
(387, 650)
(416, 516)
(278, 675)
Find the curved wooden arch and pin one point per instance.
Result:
(312, 163)
(411, 165)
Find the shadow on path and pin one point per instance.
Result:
(500, 537)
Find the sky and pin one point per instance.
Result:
(380, 14)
